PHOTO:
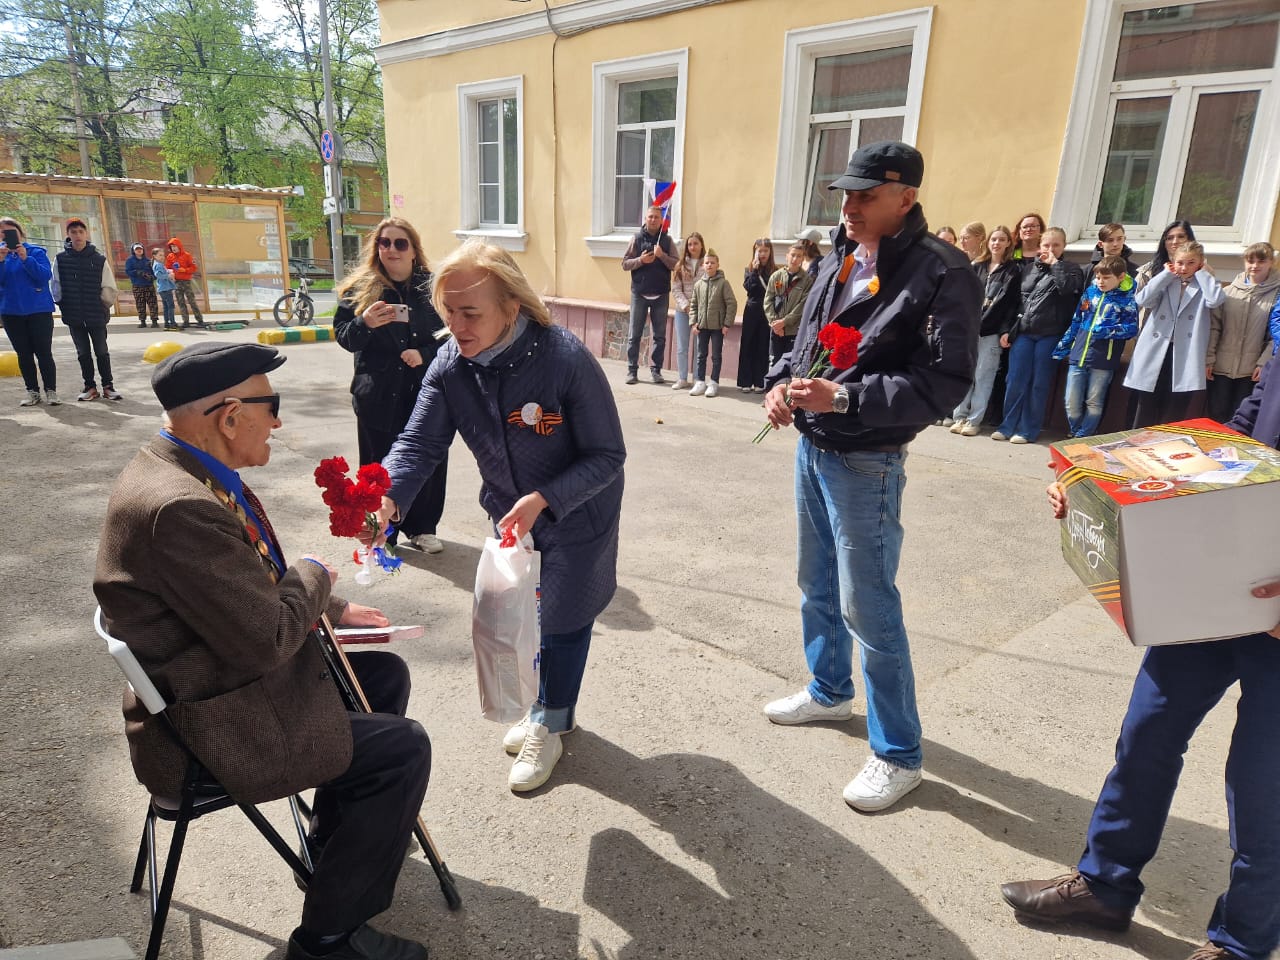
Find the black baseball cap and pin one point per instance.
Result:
(203, 369)
(887, 161)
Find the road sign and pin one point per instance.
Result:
(326, 146)
(332, 181)
(329, 206)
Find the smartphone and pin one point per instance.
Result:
(11, 239)
(402, 313)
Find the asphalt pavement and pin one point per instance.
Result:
(679, 823)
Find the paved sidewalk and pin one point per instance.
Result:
(679, 823)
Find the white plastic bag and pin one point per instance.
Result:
(506, 628)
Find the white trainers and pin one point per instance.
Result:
(997, 435)
(427, 542)
(33, 399)
(946, 422)
(537, 758)
(513, 739)
(699, 388)
(52, 399)
(90, 393)
(958, 425)
(802, 708)
(713, 389)
(880, 785)
(1018, 438)
(681, 384)
(970, 429)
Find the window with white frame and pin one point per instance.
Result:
(492, 158)
(844, 85)
(1184, 108)
(638, 123)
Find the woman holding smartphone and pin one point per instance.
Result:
(26, 310)
(386, 318)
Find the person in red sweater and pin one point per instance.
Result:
(184, 267)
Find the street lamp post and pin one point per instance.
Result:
(334, 180)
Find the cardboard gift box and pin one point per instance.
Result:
(1172, 526)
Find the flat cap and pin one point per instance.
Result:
(886, 161)
(203, 369)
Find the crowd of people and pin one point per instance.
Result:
(1170, 322)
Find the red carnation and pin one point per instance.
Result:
(338, 495)
(842, 343)
(346, 521)
(366, 496)
(331, 472)
(375, 475)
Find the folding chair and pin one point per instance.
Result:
(201, 794)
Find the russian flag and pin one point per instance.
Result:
(659, 193)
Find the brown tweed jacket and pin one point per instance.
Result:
(180, 582)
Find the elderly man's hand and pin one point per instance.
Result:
(358, 615)
(333, 574)
(1057, 493)
(814, 395)
(1265, 592)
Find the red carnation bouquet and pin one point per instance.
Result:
(839, 351)
(352, 504)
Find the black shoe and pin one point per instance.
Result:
(632, 378)
(155, 324)
(184, 325)
(365, 943)
(655, 376)
(142, 325)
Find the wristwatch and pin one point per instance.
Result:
(840, 402)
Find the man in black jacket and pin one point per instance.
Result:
(649, 259)
(84, 286)
(916, 302)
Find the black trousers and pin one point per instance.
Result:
(1225, 394)
(32, 337)
(425, 512)
(778, 345)
(363, 819)
(92, 342)
(1161, 405)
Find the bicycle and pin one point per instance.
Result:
(296, 305)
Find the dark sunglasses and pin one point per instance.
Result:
(401, 243)
(273, 399)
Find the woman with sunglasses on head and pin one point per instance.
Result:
(753, 348)
(392, 348)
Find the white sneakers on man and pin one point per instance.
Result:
(513, 739)
(802, 708)
(537, 758)
(427, 542)
(880, 785)
(713, 389)
(699, 388)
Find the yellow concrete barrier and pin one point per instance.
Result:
(296, 335)
(9, 364)
(159, 350)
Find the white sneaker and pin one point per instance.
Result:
(427, 542)
(699, 388)
(880, 785)
(513, 739)
(1018, 438)
(958, 425)
(713, 389)
(997, 435)
(33, 399)
(946, 422)
(52, 399)
(537, 758)
(681, 384)
(970, 429)
(802, 708)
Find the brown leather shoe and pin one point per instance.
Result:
(1061, 899)
(1211, 951)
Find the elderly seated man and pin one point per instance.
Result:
(191, 575)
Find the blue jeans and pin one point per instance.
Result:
(1026, 388)
(850, 538)
(1176, 686)
(682, 344)
(564, 660)
(166, 301)
(974, 405)
(1085, 396)
(654, 311)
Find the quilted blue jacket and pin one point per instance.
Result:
(1100, 327)
(540, 416)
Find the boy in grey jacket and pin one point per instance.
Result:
(711, 311)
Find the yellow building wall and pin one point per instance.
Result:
(996, 95)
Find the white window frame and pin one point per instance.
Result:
(1089, 131)
(607, 238)
(802, 48)
(509, 236)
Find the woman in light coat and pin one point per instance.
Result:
(1168, 362)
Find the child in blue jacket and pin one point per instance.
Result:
(1106, 317)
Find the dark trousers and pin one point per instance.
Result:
(166, 298)
(1225, 394)
(32, 337)
(1176, 686)
(364, 818)
(425, 512)
(778, 345)
(1160, 405)
(653, 312)
(753, 346)
(144, 300)
(714, 339)
(92, 342)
